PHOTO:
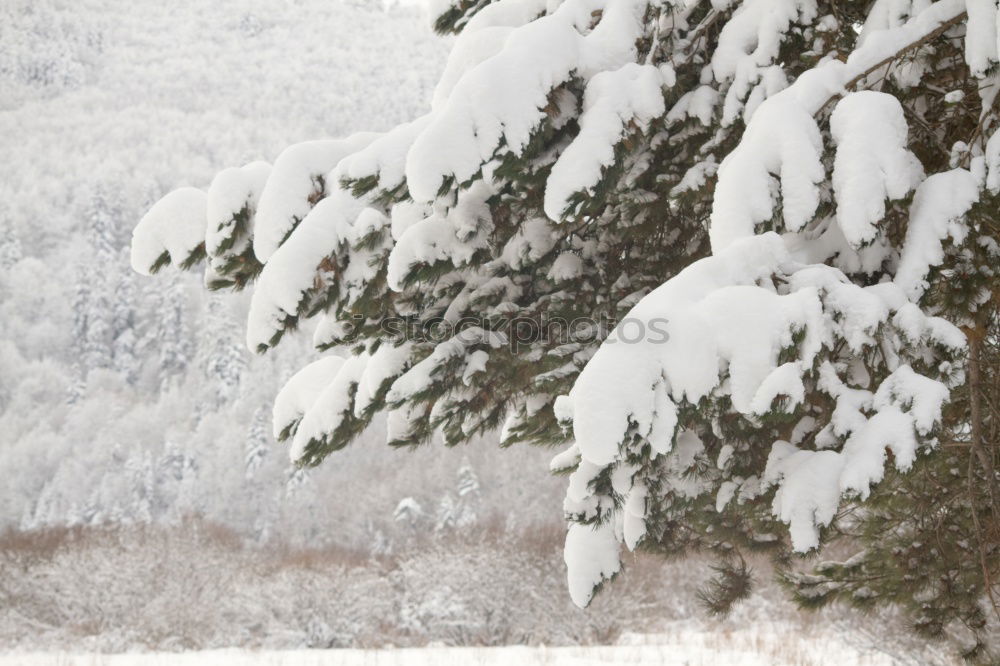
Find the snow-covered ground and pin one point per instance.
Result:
(765, 645)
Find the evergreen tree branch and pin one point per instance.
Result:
(929, 36)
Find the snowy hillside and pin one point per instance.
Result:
(122, 400)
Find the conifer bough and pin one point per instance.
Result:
(805, 191)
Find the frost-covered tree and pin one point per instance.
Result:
(256, 444)
(408, 512)
(738, 255)
(123, 324)
(224, 357)
(458, 509)
(10, 244)
(94, 308)
(104, 318)
(467, 489)
(171, 341)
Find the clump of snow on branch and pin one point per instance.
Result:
(498, 103)
(297, 181)
(872, 162)
(171, 232)
(935, 215)
(613, 100)
(300, 392)
(591, 555)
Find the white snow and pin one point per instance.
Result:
(296, 183)
(691, 643)
(782, 139)
(699, 103)
(805, 497)
(567, 266)
(749, 43)
(498, 102)
(935, 214)
(232, 191)
(174, 225)
(452, 236)
(591, 556)
(301, 391)
(701, 306)
(509, 13)
(981, 35)
(872, 162)
(330, 408)
(613, 100)
(727, 323)
(785, 380)
(291, 272)
(384, 157)
(991, 163)
(471, 48)
(730, 317)
(532, 240)
(388, 362)
(421, 376)
(475, 364)
(565, 460)
(810, 483)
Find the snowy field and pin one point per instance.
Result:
(759, 646)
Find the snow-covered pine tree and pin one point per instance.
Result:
(10, 244)
(224, 357)
(812, 356)
(828, 368)
(172, 340)
(408, 512)
(95, 314)
(104, 298)
(467, 489)
(447, 513)
(123, 348)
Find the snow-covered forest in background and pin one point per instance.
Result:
(123, 400)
